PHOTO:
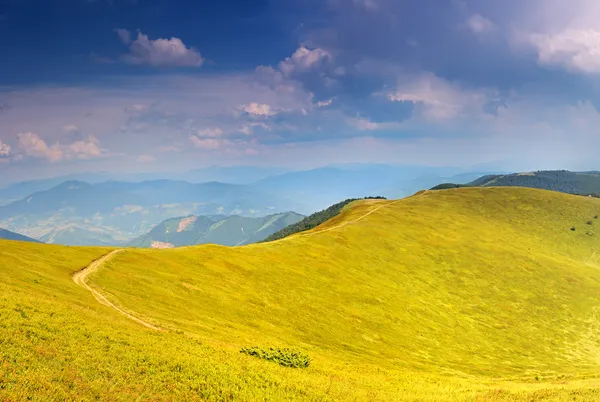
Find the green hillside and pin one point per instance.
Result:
(76, 236)
(314, 220)
(227, 231)
(8, 235)
(465, 294)
(581, 183)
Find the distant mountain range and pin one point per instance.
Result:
(8, 235)
(581, 183)
(225, 174)
(232, 230)
(77, 212)
(80, 213)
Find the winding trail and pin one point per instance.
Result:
(80, 278)
(360, 218)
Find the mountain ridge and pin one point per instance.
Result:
(233, 230)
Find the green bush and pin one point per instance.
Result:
(284, 357)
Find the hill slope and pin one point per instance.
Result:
(227, 231)
(581, 183)
(465, 294)
(8, 235)
(312, 220)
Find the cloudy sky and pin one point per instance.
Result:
(147, 85)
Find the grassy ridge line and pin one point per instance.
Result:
(314, 220)
(80, 278)
(346, 222)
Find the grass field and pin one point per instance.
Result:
(463, 294)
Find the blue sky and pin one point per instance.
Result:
(143, 85)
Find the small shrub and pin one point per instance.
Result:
(573, 228)
(589, 222)
(284, 357)
(595, 216)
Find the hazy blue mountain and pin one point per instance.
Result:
(322, 187)
(115, 212)
(232, 175)
(228, 231)
(8, 235)
(73, 235)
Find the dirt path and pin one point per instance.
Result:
(360, 218)
(80, 278)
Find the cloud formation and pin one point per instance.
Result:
(32, 145)
(4, 149)
(159, 52)
(304, 60)
(259, 109)
(576, 50)
(436, 98)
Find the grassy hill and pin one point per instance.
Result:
(8, 235)
(464, 294)
(581, 183)
(223, 230)
(313, 220)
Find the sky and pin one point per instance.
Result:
(153, 85)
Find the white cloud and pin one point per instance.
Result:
(437, 98)
(159, 52)
(576, 50)
(32, 145)
(209, 144)
(324, 103)
(564, 34)
(209, 133)
(478, 24)
(304, 60)
(259, 109)
(4, 149)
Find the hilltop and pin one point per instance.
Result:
(223, 230)
(314, 220)
(464, 294)
(581, 183)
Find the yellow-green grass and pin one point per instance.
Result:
(482, 293)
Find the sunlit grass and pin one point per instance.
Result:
(454, 295)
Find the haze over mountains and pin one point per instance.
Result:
(117, 212)
(77, 212)
(8, 235)
(231, 230)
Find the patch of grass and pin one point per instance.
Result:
(284, 357)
